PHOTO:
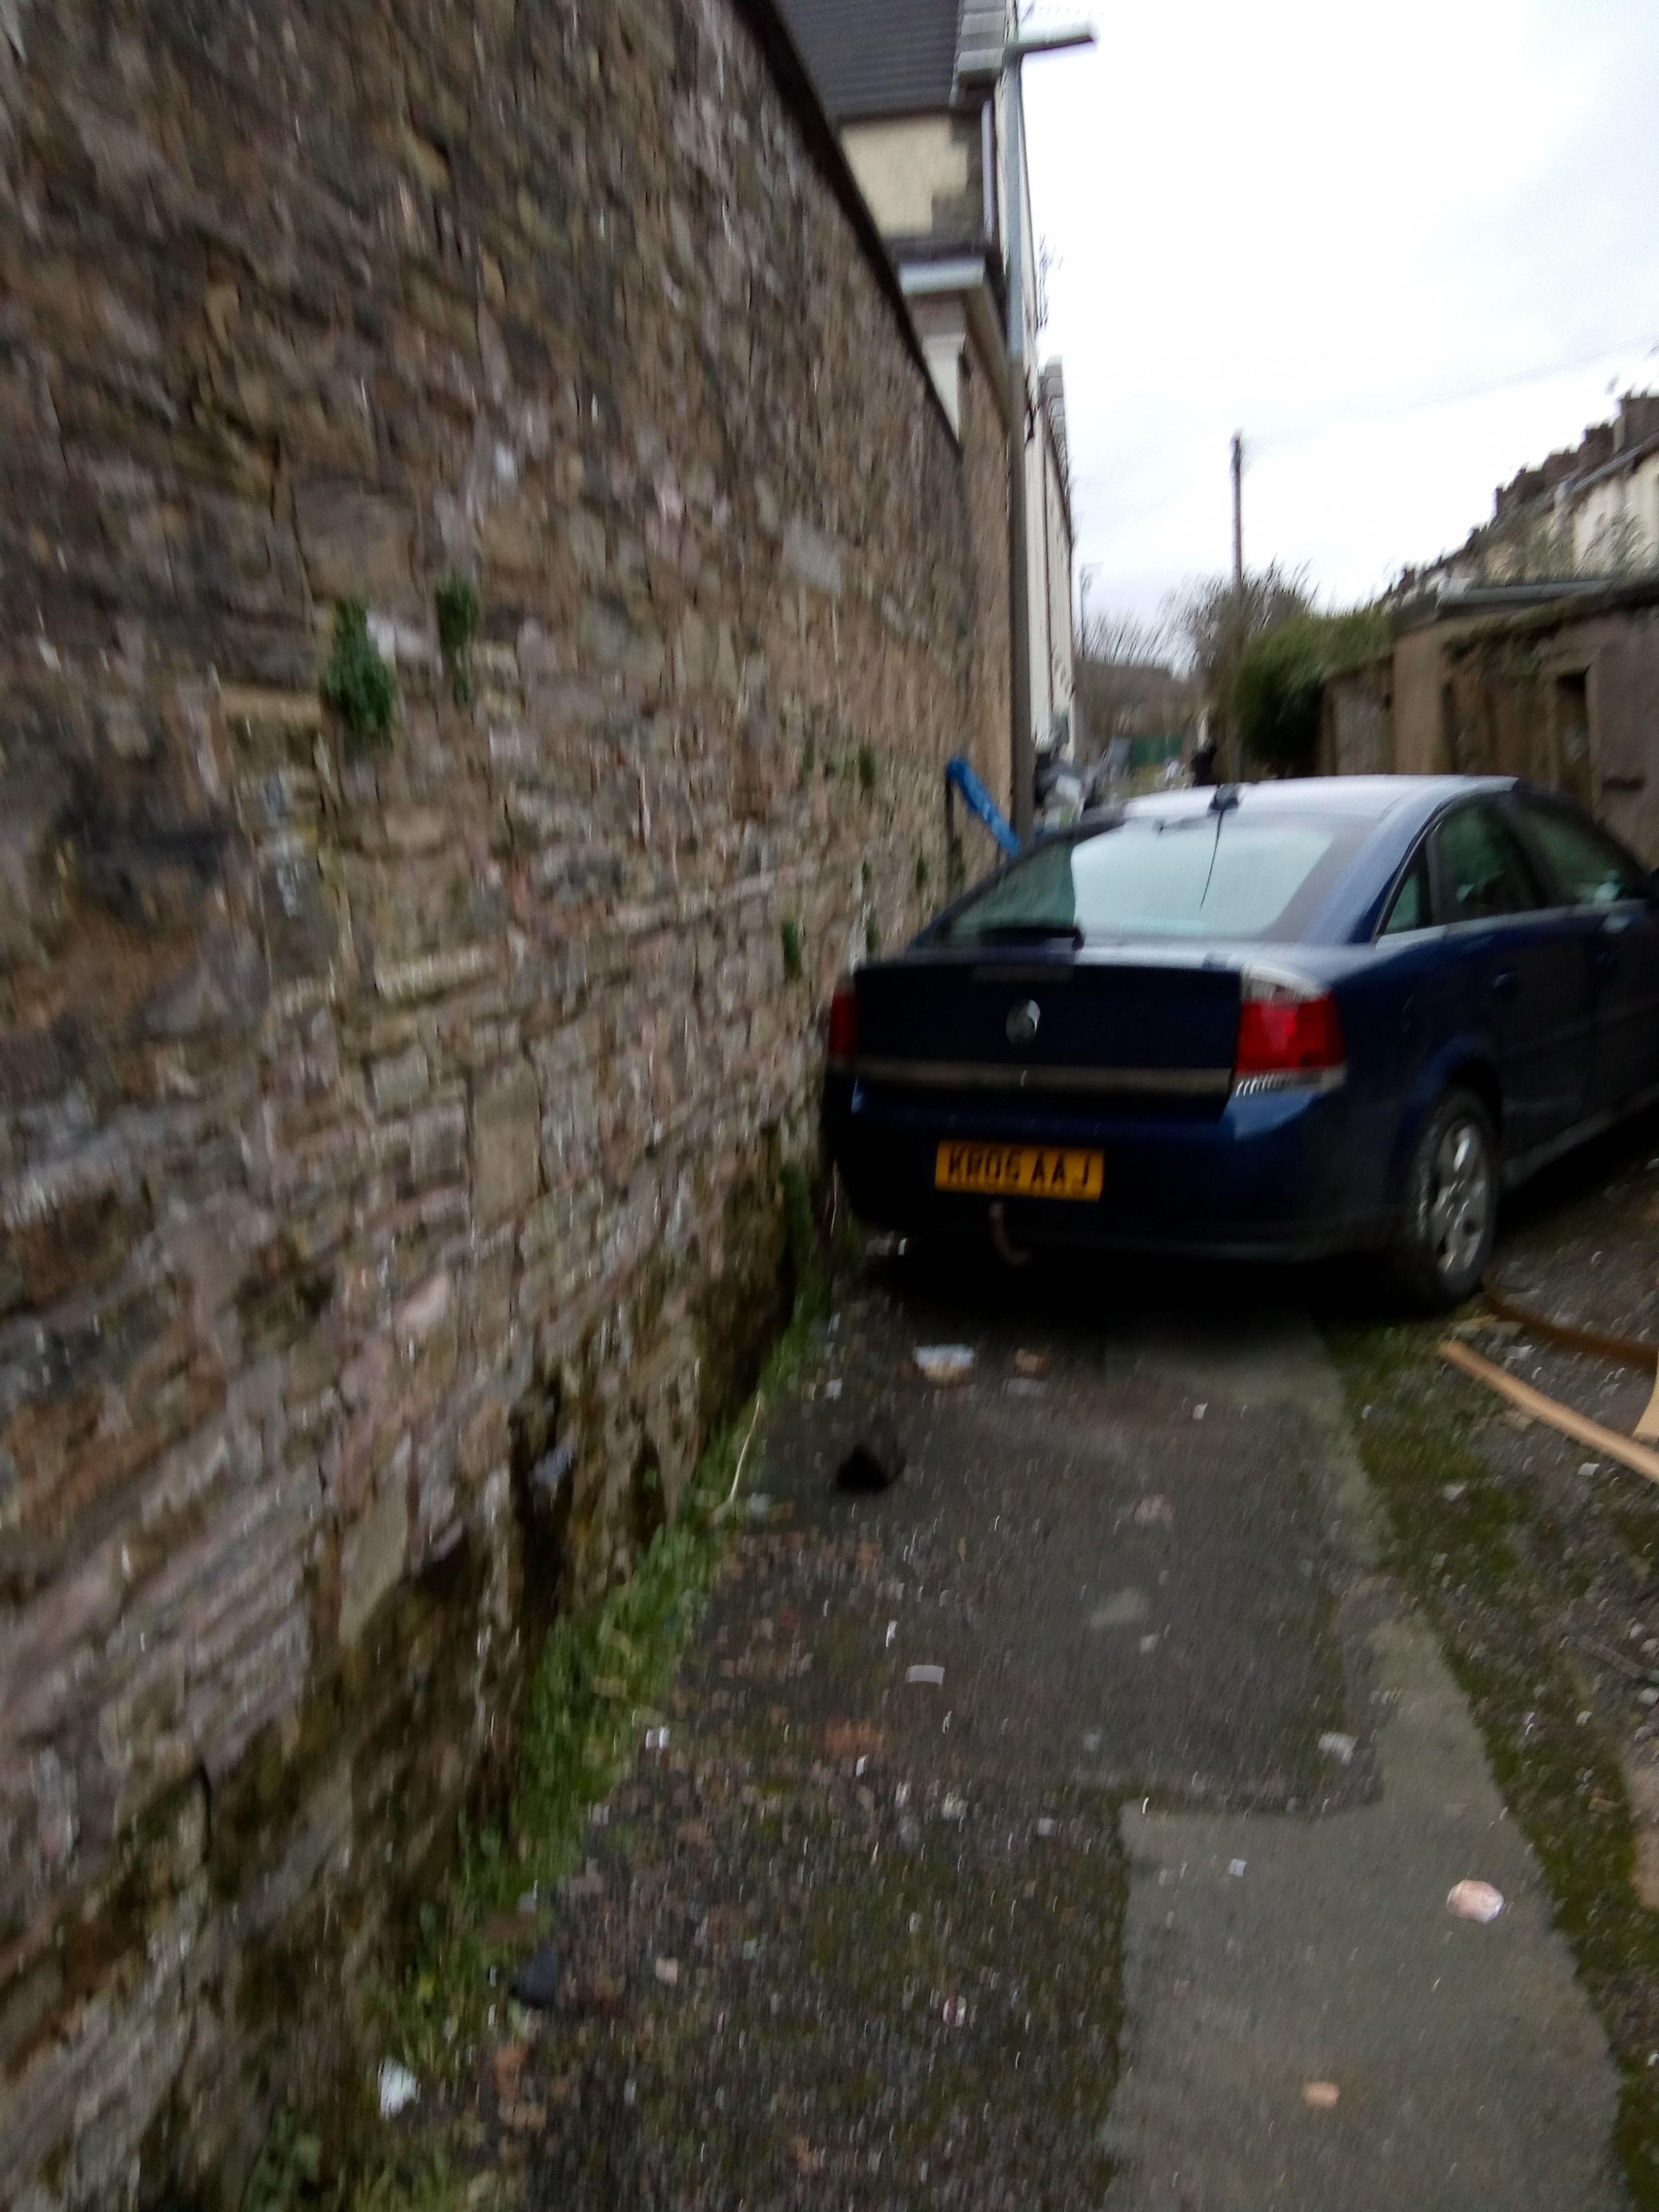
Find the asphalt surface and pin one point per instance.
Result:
(1152, 1855)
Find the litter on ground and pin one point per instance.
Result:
(398, 2088)
(945, 1362)
(1474, 1900)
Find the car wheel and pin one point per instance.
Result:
(1450, 1213)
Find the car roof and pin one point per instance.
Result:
(1365, 798)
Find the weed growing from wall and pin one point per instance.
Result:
(921, 873)
(357, 683)
(794, 947)
(459, 615)
(872, 938)
(867, 766)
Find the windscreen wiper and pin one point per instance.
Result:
(1029, 933)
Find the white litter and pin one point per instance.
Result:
(398, 2089)
(1474, 1900)
(832, 1390)
(656, 1739)
(1199, 1412)
(1046, 1827)
(1335, 1745)
(954, 1808)
(1235, 1868)
(945, 1362)
(933, 1674)
(892, 1630)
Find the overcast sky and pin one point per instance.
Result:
(1357, 234)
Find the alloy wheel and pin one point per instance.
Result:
(1459, 1198)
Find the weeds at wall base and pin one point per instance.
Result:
(596, 1689)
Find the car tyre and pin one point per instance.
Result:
(1449, 1216)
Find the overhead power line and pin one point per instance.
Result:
(1286, 441)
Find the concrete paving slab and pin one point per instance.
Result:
(1264, 1953)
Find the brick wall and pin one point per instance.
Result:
(377, 1133)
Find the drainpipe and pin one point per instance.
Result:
(1019, 573)
(1020, 580)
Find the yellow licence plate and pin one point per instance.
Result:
(1019, 1170)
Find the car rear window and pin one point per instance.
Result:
(1194, 875)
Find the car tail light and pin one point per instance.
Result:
(1289, 1036)
(844, 1024)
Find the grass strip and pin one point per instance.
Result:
(1472, 1549)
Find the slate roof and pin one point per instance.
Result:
(877, 57)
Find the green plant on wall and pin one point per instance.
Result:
(872, 938)
(459, 615)
(357, 683)
(808, 758)
(795, 962)
(867, 766)
(922, 871)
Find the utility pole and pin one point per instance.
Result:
(1238, 511)
(1003, 64)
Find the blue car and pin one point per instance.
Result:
(1273, 1020)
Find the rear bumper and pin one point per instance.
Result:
(1268, 1177)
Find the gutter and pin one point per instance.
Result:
(967, 278)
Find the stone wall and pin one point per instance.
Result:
(390, 1140)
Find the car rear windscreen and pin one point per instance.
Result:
(1222, 875)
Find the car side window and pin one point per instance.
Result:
(1412, 905)
(1483, 871)
(1589, 867)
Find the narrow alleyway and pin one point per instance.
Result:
(1045, 1831)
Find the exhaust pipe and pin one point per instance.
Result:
(1009, 1254)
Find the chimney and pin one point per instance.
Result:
(1639, 420)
